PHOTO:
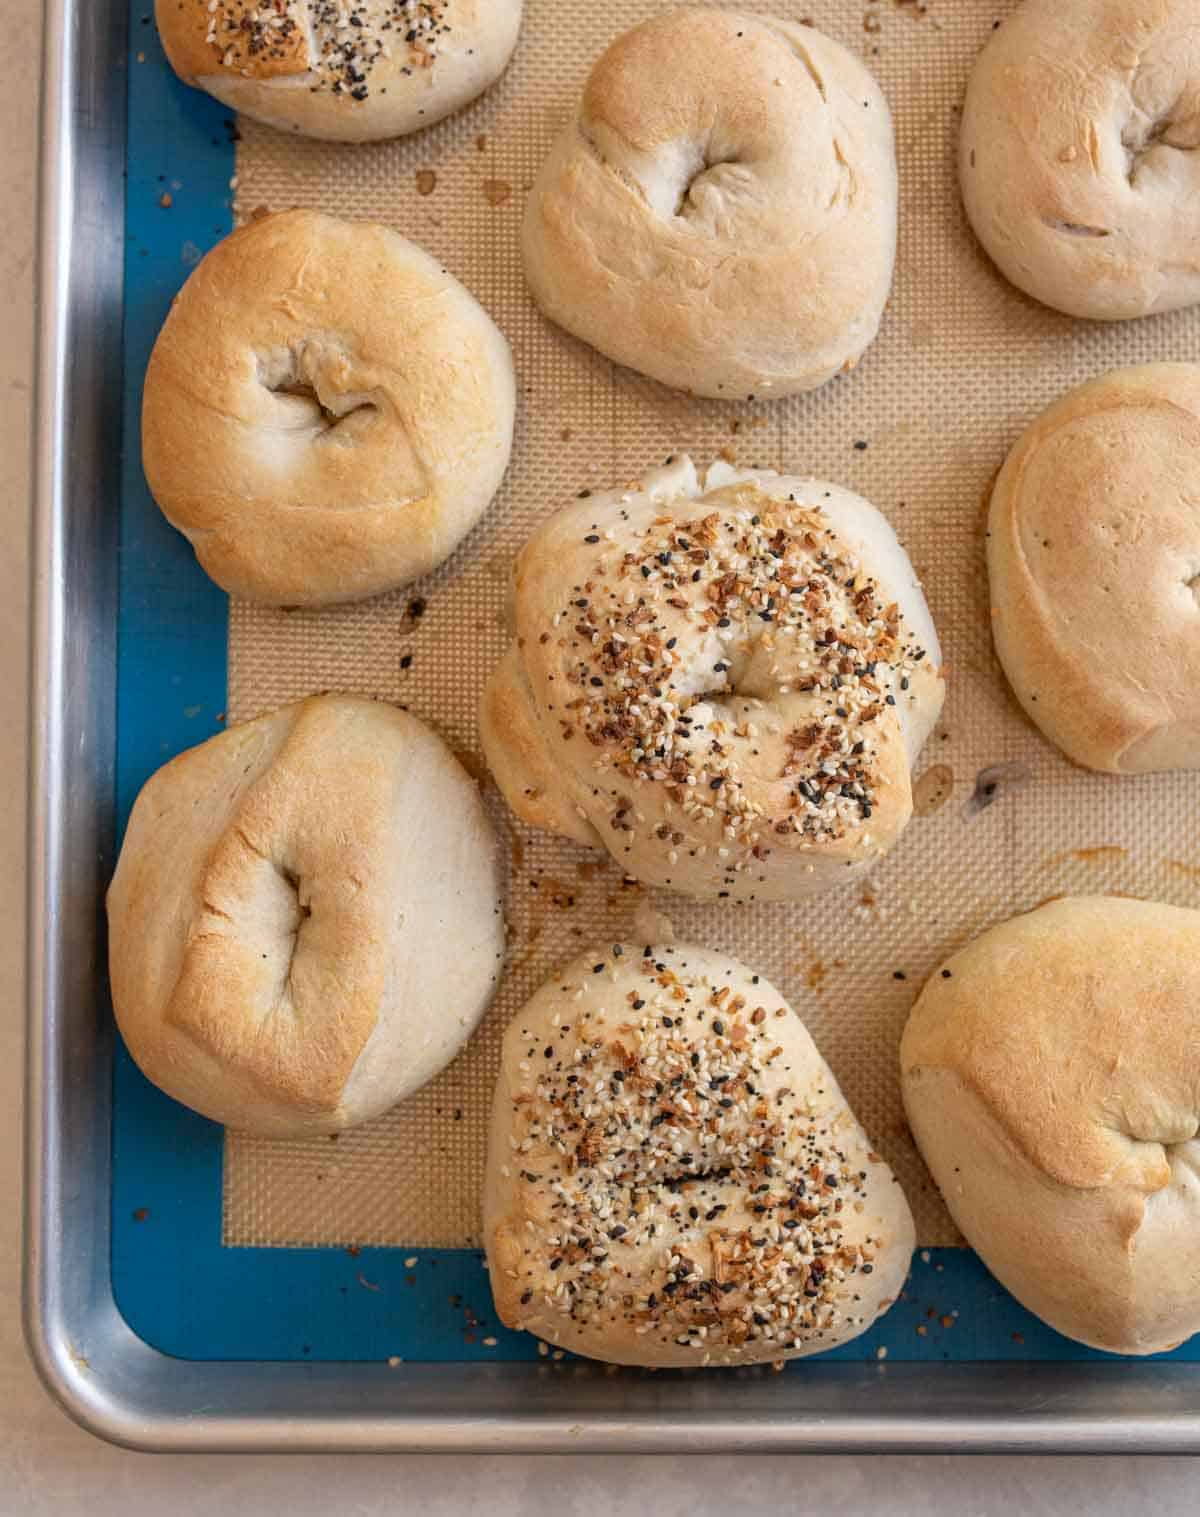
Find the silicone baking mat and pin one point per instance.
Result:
(367, 1246)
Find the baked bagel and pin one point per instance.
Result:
(305, 920)
(723, 681)
(674, 1177)
(1078, 154)
(349, 70)
(327, 411)
(721, 213)
(1051, 1072)
(1094, 567)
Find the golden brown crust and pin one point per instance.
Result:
(326, 412)
(304, 1048)
(304, 922)
(513, 745)
(721, 215)
(1077, 154)
(674, 1177)
(720, 685)
(255, 39)
(1094, 565)
(1049, 1072)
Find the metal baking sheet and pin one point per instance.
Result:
(147, 1330)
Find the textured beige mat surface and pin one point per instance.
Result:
(963, 361)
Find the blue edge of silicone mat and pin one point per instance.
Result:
(177, 1286)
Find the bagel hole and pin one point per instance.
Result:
(292, 880)
(685, 194)
(1140, 137)
(329, 419)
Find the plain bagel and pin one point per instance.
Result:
(674, 1177)
(1051, 1076)
(305, 920)
(724, 681)
(327, 411)
(349, 70)
(1094, 570)
(1078, 157)
(721, 212)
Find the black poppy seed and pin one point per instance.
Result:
(718, 1027)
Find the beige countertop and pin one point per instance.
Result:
(47, 1465)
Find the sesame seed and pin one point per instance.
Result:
(633, 635)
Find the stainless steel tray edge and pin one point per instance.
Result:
(105, 1377)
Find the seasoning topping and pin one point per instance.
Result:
(677, 648)
(677, 1181)
(338, 42)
